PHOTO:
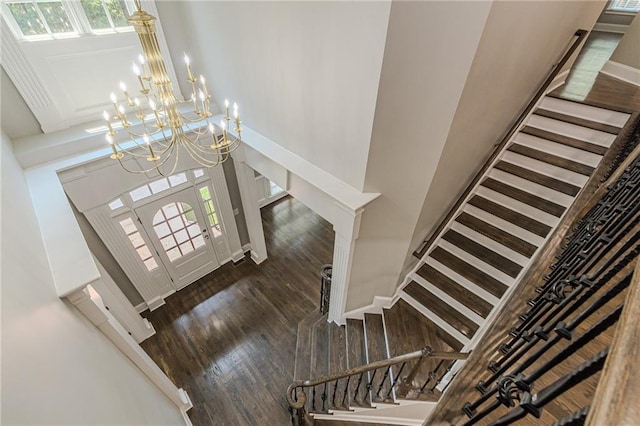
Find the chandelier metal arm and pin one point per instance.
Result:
(192, 132)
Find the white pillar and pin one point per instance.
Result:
(88, 301)
(225, 208)
(249, 195)
(343, 248)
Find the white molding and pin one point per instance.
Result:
(141, 307)
(155, 303)
(610, 28)
(89, 302)
(379, 303)
(622, 72)
(238, 256)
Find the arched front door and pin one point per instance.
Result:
(178, 231)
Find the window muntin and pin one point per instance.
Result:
(177, 228)
(157, 186)
(33, 20)
(135, 238)
(212, 216)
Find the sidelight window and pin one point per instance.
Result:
(131, 230)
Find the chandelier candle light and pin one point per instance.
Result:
(170, 131)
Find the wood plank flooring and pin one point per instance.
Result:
(229, 338)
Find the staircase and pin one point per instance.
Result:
(508, 216)
(464, 274)
(325, 348)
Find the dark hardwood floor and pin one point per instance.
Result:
(229, 338)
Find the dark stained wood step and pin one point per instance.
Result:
(376, 348)
(506, 239)
(578, 121)
(565, 140)
(554, 160)
(483, 253)
(337, 349)
(302, 369)
(524, 197)
(455, 290)
(376, 344)
(539, 178)
(469, 272)
(441, 309)
(320, 348)
(409, 331)
(356, 356)
(518, 219)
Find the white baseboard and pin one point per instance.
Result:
(558, 81)
(141, 307)
(155, 303)
(379, 303)
(622, 72)
(188, 405)
(610, 28)
(238, 256)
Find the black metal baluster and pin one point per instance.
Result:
(346, 392)
(335, 390)
(395, 381)
(384, 379)
(355, 395)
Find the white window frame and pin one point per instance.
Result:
(627, 6)
(75, 13)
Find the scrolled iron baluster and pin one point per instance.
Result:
(355, 395)
(384, 379)
(335, 390)
(324, 398)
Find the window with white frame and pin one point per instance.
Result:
(625, 6)
(32, 20)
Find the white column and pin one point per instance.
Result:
(225, 208)
(249, 195)
(343, 248)
(120, 307)
(88, 301)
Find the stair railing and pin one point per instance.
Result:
(576, 306)
(373, 382)
(497, 148)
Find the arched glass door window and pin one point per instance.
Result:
(178, 230)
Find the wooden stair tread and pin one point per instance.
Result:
(376, 344)
(302, 368)
(356, 351)
(376, 349)
(548, 158)
(524, 222)
(320, 348)
(469, 272)
(441, 309)
(592, 103)
(506, 239)
(455, 290)
(337, 349)
(524, 197)
(565, 140)
(579, 121)
(483, 253)
(539, 178)
(408, 331)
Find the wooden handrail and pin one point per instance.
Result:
(497, 149)
(618, 392)
(390, 362)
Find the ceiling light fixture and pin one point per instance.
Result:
(167, 131)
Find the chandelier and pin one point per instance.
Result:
(160, 137)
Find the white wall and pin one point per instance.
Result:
(305, 74)
(428, 53)
(17, 119)
(628, 51)
(57, 368)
